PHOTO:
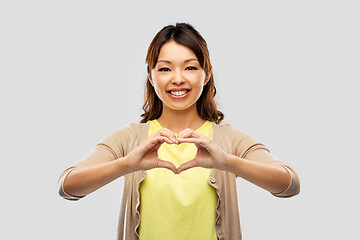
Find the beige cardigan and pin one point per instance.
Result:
(231, 140)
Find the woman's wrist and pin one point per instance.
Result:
(124, 165)
(229, 163)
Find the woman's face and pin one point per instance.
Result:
(177, 78)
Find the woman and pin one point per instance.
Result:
(180, 165)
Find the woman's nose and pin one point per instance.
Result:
(177, 78)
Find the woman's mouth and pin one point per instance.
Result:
(178, 94)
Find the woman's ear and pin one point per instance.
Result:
(207, 79)
(149, 76)
(150, 79)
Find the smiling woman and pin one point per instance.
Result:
(181, 132)
(182, 53)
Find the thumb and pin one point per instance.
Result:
(187, 165)
(168, 165)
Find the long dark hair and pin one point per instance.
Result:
(186, 35)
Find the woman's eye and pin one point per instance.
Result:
(191, 68)
(164, 69)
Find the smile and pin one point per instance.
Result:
(178, 94)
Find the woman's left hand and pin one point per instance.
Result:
(209, 155)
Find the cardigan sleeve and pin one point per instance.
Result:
(248, 148)
(109, 149)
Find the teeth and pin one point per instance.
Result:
(178, 93)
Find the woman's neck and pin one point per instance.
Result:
(177, 121)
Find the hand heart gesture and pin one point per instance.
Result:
(208, 155)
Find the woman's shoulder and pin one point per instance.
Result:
(132, 129)
(137, 126)
(229, 130)
(224, 126)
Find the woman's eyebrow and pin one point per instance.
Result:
(165, 61)
(186, 61)
(191, 59)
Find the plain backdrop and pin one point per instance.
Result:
(286, 72)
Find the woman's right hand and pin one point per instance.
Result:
(145, 156)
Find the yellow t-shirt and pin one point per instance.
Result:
(177, 206)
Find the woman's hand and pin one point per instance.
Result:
(145, 156)
(209, 155)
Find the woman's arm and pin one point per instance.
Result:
(255, 165)
(274, 178)
(101, 168)
(84, 180)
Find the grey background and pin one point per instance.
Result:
(73, 71)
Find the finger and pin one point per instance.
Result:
(167, 133)
(168, 165)
(190, 133)
(199, 142)
(189, 140)
(156, 142)
(186, 132)
(187, 165)
(162, 139)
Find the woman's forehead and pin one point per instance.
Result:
(172, 52)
